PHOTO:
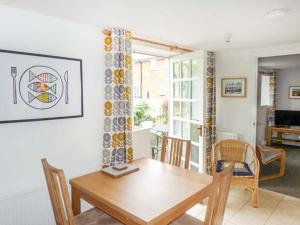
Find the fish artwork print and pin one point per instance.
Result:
(44, 97)
(41, 87)
(44, 77)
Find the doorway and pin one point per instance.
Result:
(169, 100)
(278, 105)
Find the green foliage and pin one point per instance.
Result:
(141, 113)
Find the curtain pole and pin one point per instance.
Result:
(166, 45)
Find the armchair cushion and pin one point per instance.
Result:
(269, 155)
(240, 168)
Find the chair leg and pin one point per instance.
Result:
(282, 164)
(254, 197)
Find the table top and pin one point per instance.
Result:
(148, 195)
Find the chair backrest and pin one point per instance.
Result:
(59, 195)
(231, 150)
(175, 147)
(218, 197)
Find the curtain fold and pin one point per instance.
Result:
(210, 112)
(272, 106)
(117, 137)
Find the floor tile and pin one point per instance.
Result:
(285, 214)
(251, 216)
(274, 209)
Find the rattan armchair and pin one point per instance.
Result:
(246, 169)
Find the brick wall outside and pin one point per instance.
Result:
(155, 78)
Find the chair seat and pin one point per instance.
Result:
(240, 169)
(95, 216)
(186, 219)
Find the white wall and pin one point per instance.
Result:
(286, 78)
(233, 113)
(72, 144)
(239, 114)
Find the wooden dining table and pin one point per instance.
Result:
(157, 193)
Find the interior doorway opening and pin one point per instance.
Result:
(278, 120)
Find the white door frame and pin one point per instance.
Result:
(189, 56)
(259, 53)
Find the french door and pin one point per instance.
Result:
(187, 101)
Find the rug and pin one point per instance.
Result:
(289, 184)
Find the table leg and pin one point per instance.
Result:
(76, 206)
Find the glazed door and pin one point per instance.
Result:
(187, 103)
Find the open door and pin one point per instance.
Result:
(187, 103)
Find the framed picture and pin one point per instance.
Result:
(294, 92)
(234, 87)
(37, 87)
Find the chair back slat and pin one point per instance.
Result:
(218, 197)
(59, 195)
(233, 150)
(172, 150)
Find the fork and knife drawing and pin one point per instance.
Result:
(13, 74)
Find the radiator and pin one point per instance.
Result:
(30, 208)
(227, 135)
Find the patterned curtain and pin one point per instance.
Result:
(272, 107)
(117, 137)
(210, 112)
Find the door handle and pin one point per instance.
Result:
(200, 128)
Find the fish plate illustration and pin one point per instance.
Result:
(41, 87)
(36, 87)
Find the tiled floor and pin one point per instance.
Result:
(274, 209)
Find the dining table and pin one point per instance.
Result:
(157, 193)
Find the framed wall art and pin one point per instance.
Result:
(294, 92)
(39, 87)
(234, 87)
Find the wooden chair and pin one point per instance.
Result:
(61, 202)
(172, 151)
(246, 164)
(216, 201)
(268, 155)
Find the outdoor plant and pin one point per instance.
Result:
(141, 113)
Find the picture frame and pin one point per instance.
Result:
(234, 87)
(294, 92)
(37, 87)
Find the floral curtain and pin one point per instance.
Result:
(272, 106)
(210, 112)
(117, 137)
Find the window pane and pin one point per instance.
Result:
(185, 89)
(196, 111)
(185, 110)
(176, 70)
(176, 90)
(176, 109)
(176, 128)
(195, 132)
(194, 168)
(185, 127)
(196, 89)
(197, 69)
(186, 69)
(265, 91)
(195, 154)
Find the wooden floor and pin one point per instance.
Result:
(275, 209)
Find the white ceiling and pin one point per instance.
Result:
(192, 23)
(280, 62)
